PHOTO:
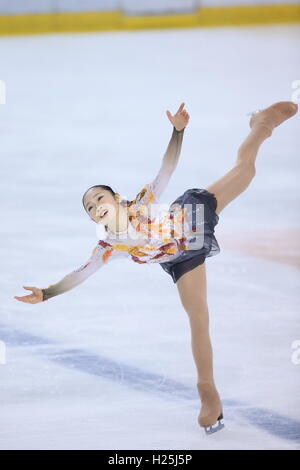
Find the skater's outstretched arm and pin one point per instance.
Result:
(98, 258)
(171, 156)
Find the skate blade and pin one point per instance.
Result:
(215, 428)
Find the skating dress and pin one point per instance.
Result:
(178, 237)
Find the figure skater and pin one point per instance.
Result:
(131, 232)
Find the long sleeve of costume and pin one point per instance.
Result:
(169, 163)
(151, 192)
(99, 257)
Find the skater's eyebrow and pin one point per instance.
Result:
(97, 194)
(93, 196)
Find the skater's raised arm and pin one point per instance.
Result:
(179, 122)
(97, 259)
(171, 156)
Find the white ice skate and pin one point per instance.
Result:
(216, 427)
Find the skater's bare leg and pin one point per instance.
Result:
(192, 290)
(235, 181)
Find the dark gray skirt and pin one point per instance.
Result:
(189, 259)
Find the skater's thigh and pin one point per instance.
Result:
(192, 289)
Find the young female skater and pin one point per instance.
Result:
(132, 232)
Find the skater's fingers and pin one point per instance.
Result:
(181, 107)
(29, 299)
(169, 115)
(25, 298)
(28, 288)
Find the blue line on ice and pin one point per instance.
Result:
(134, 377)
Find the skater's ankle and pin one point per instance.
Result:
(206, 384)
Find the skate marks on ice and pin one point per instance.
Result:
(138, 379)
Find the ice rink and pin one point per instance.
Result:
(109, 364)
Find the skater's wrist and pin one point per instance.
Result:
(179, 130)
(44, 295)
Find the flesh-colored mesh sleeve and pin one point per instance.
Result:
(169, 163)
(99, 257)
(152, 192)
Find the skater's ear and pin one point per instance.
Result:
(119, 199)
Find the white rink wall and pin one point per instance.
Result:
(47, 6)
(224, 3)
(155, 6)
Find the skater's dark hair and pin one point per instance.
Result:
(107, 188)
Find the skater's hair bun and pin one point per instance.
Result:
(107, 188)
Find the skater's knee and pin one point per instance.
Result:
(198, 313)
(246, 166)
(194, 305)
(199, 323)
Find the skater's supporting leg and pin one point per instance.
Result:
(235, 181)
(192, 291)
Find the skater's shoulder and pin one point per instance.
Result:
(145, 196)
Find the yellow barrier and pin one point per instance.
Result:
(116, 20)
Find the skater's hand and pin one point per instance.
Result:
(34, 298)
(180, 119)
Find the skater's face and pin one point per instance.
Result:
(101, 205)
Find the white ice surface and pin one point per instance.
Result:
(109, 364)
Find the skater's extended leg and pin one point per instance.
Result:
(192, 291)
(235, 181)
